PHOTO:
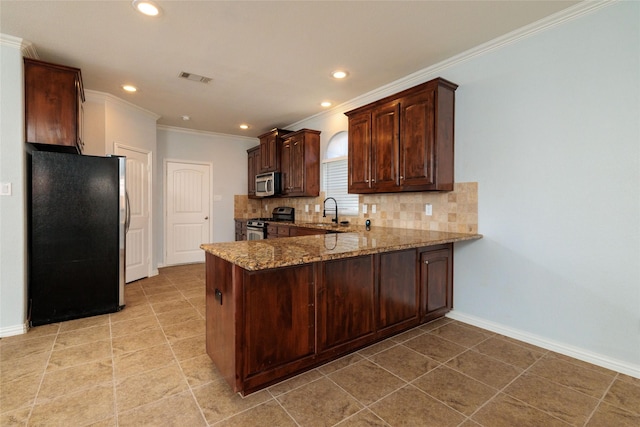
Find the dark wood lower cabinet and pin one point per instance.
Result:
(268, 325)
(398, 291)
(346, 303)
(436, 282)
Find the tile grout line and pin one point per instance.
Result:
(35, 398)
(601, 400)
(113, 373)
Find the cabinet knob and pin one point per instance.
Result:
(426, 262)
(401, 177)
(373, 180)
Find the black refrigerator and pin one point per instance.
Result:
(77, 226)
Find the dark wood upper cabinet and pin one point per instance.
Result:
(300, 163)
(253, 165)
(359, 152)
(270, 145)
(53, 106)
(404, 142)
(384, 147)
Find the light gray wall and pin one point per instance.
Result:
(548, 125)
(228, 156)
(13, 226)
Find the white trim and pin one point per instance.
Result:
(26, 47)
(9, 331)
(207, 133)
(559, 347)
(164, 203)
(95, 96)
(149, 154)
(436, 70)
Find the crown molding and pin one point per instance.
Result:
(438, 69)
(205, 133)
(95, 96)
(26, 47)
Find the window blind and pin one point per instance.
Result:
(335, 185)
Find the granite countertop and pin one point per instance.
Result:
(351, 241)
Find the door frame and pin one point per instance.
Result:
(151, 271)
(164, 201)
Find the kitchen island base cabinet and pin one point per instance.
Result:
(264, 326)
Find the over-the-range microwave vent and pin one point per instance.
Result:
(194, 77)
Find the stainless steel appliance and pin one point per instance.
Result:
(268, 184)
(77, 219)
(257, 227)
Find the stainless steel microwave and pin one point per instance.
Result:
(268, 184)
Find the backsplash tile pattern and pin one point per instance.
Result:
(454, 211)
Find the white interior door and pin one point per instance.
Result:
(188, 217)
(138, 239)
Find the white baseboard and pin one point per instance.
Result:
(10, 331)
(558, 347)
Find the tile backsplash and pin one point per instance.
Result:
(455, 211)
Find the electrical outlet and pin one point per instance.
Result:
(364, 208)
(373, 208)
(317, 208)
(306, 208)
(428, 210)
(266, 208)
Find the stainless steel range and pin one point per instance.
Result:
(257, 227)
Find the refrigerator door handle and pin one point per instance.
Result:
(127, 221)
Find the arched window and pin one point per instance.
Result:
(335, 174)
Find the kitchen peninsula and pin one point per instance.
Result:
(278, 307)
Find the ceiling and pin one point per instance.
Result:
(270, 62)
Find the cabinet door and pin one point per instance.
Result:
(385, 147)
(296, 166)
(269, 153)
(398, 291)
(52, 105)
(285, 162)
(417, 157)
(360, 153)
(436, 277)
(253, 164)
(346, 299)
(279, 317)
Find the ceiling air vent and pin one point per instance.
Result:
(194, 77)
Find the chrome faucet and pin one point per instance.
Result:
(324, 211)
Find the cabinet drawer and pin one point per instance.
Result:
(283, 231)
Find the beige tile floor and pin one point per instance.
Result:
(147, 365)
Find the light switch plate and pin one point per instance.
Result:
(373, 208)
(5, 189)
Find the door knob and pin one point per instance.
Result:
(206, 217)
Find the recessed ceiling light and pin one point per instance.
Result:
(325, 104)
(129, 88)
(339, 74)
(244, 126)
(147, 7)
